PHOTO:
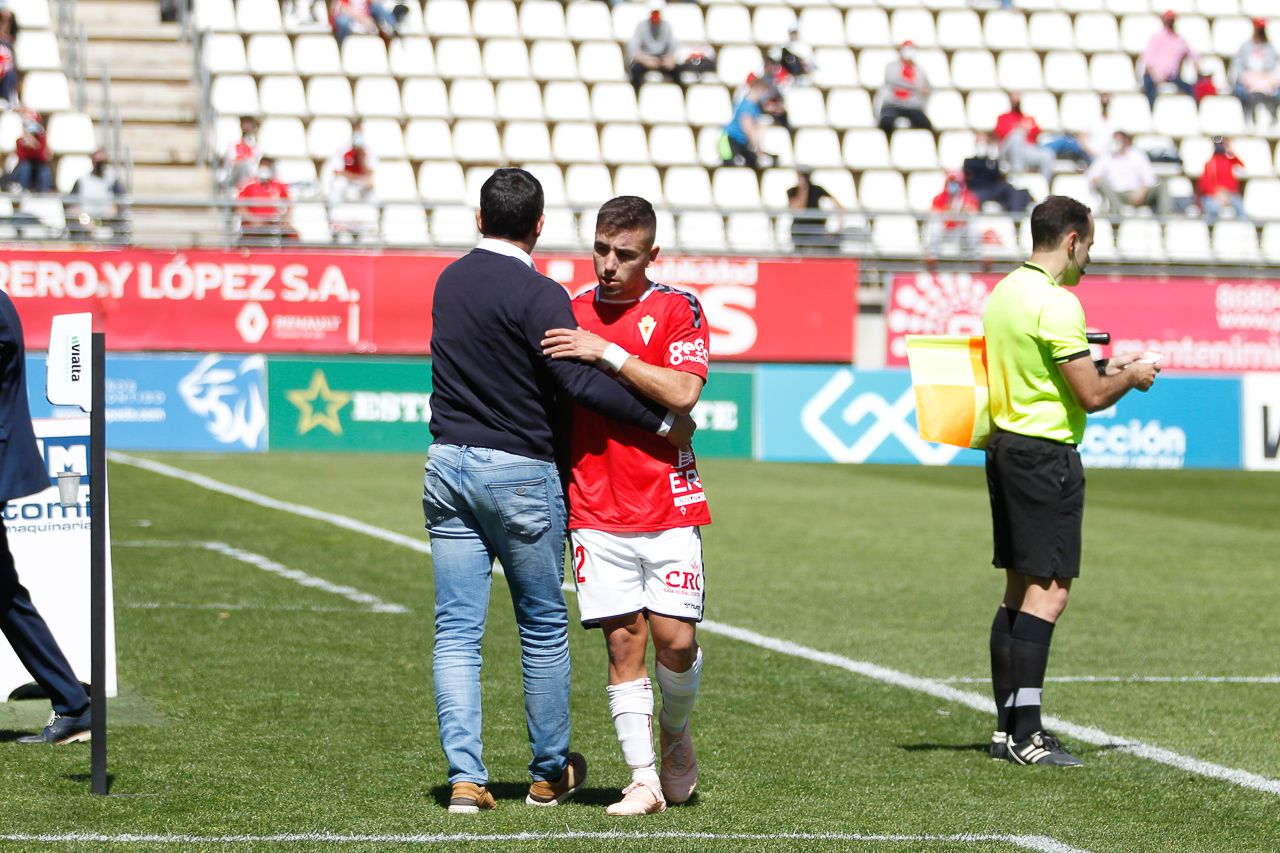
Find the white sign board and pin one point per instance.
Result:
(50, 545)
(1261, 416)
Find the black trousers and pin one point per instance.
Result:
(32, 642)
(890, 115)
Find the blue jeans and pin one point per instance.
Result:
(1213, 208)
(480, 504)
(1149, 85)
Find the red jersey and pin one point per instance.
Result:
(1220, 174)
(273, 190)
(1008, 122)
(624, 478)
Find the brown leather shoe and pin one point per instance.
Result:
(552, 793)
(469, 798)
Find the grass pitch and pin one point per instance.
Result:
(254, 706)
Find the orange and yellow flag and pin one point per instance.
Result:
(949, 375)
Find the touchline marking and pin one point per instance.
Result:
(284, 608)
(258, 561)
(1038, 843)
(271, 503)
(929, 686)
(1133, 679)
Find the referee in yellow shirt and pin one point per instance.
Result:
(1042, 382)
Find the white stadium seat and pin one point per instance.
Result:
(822, 26)
(672, 145)
(1236, 242)
(1096, 31)
(441, 182)
(316, 53)
(587, 185)
(476, 141)
(505, 59)
(567, 101)
(495, 19)
(817, 147)
(1050, 31)
(412, 57)
(867, 27)
(447, 18)
(913, 25)
(662, 103)
(393, 181)
(384, 136)
(453, 225)
(687, 186)
(37, 50)
(896, 234)
(643, 181)
(233, 94)
(254, 16)
(47, 91)
(526, 140)
(425, 97)
(600, 61)
(624, 143)
(835, 66)
(706, 104)
(472, 99)
(962, 28)
(428, 139)
(614, 102)
(973, 69)
(364, 55)
(552, 180)
(1005, 30)
(922, 187)
(282, 136)
(734, 187)
(588, 22)
(378, 96)
(882, 190)
(458, 57)
(849, 108)
(1186, 240)
(328, 96)
(541, 19)
(215, 15)
(865, 149)
(224, 53)
(910, 150)
(553, 60)
(404, 225)
(327, 135)
(71, 133)
(519, 99)
(575, 142)
(701, 230)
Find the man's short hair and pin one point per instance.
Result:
(628, 213)
(1055, 217)
(510, 204)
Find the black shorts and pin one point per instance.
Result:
(1037, 505)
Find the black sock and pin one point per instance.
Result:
(1002, 664)
(1030, 652)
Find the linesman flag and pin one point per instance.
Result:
(949, 375)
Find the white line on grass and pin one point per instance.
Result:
(266, 564)
(284, 608)
(928, 686)
(1038, 843)
(1133, 679)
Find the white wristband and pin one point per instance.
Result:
(667, 423)
(614, 357)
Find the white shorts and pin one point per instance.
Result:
(621, 573)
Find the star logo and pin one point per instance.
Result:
(331, 402)
(647, 324)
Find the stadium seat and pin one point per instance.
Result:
(701, 230)
(687, 23)
(749, 232)
(541, 19)
(1236, 242)
(1096, 32)
(282, 137)
(735, 188)
(412, 57)
(587, 185)
(882, 190)
(936, 66)
(71, 133)
(37, 50)
(224, 54)
(954, 147)
(553, 60)
(1005, 30)
(837, 182)
(600, 61)
(1175, 116)
(922, 187)
(1073, 186)
(865, 149)
(476, 141)
(1104, 240)
(254, 16)
(662, 103)
(1019, 71)
(559, 230)
(983, 108)
(1262, 198)
(872, 63)
(639, 180)
(458, 57)
(216, 15)
(378, 96)
(327, 135)
(425, 97)
(588, 22)
(1229, 32)
(627, 16)
(1050, 31)
(70, 168)
(1131, 112)
(33, 14)
(506, 59)
(822, 26)
(912, 149)
(1187, 240)
(775, 181)
(567, 101)
(962, 28)
(895, 234)
(428, 140)
(316, 53)
(575, 142)
(47, 91)
(1139, 239)
(769, 25)
(472, 99)
(519, 100)
(672, 145)
(913, 25)
(973, 69)
(817, 147)
(1221, 115)
(614, 102)
(805, 107)
(447, 18)
(1136, 30)
(234, 95)
(1111, 72)
(404, 225)
(706, 104)
(267, 53)
(734, 62)
(1195, 29)
(364, 55)
(708, 145)
(552, 180)
(867, 27)
(687, 186)
(453, 225)
(442, 182)
(327, 96)
(835, 66)
(624, 143)
(947, 110)
(49, 212)
(383, 135)
(495, 19)
(1270, 243)
(11, 129)
(1065, 71)
(849, 108)
(393, 181)
(999, 237)
(526, 140)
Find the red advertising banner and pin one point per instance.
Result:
(338, 302)
(1225, 325)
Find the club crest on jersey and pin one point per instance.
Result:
(647, 324)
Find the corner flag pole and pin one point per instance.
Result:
(98, 564)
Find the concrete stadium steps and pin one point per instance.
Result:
(125, 20)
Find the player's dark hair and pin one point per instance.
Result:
(1055, 217)
(510, 204)
(627, 213)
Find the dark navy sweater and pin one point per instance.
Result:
(491, 384)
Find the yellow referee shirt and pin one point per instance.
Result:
(1032, 324)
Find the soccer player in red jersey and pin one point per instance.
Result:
(636, 504)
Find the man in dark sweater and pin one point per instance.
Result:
(492, 489)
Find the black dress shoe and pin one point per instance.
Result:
(62, 730)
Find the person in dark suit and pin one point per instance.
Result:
(22, 473)
(492, 488)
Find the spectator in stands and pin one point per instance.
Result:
(301, 15)
(904, 93)
(1098, 138)
(984, 179)
(776, 79)
(8, 76)
(349, 172)
(653, 47)
(241, 160)
(8, 24)
(1219, 184)
(268, 221)
(951, 219)
(1255, 74)
(365, 16)
(1123, 176)
(1017, 134)
(33, 172)
(797, 56)
(741, 143)
(1162, 61)
(808, 220)
(95, 203)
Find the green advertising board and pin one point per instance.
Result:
(726, 414)
(352, 403)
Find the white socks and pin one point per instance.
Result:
(679, 690)
(631, 705)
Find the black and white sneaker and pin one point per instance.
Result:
(1042, 748)
(999, 746)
